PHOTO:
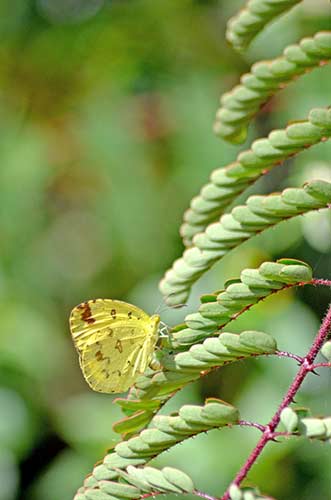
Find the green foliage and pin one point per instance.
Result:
(140, 481)
(241, 224)
(246, 494)
(179, 369)
(254, 285)
(228, 182)
(211, 241)
(326, 350)
(164, 433)
(200, 344)
(243, 27)
(105, 136)
(265, 78)
(310, 427)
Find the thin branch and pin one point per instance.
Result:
(285, 354)
(320, 365)
(246, 423)
(152, 494)
(269, 433)
(197, 493)
(322, 282)
(284, 434)
(204, 495)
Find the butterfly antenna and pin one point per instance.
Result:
(163, 306)
(166, 307)
(159, 308)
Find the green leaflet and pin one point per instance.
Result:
(91, 481)
(136, 477)
(326, 350)
(101, 472)
(167, 480)
(210, 247)
(246, 493)
(264, 155)
(245, 100)
(312, 428)
(123, 473)
(254, 285)
(139, 413)
(244, 26)
(157, 439)
(178, 479)
(165, 431)
(79, 496)
(133, 422)
(295, 420)
(289, 419)
(257, 341)
(97, 495)
(134, 405)
(181, 368)
(114, 461)
(119, 490)
(156, 479)
(217, 413)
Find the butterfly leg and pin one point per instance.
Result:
(165, 333)
(164, 330)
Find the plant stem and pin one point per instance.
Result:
(285, 354)
(320, 365)
(318, 281)
(246, 423)
(268, 434)
(203, 495)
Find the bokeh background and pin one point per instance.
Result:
(106, 112)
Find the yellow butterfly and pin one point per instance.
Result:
(115, 342)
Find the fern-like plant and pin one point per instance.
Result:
(214, 225)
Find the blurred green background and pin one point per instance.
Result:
(106, 112)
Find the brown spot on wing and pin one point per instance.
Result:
(86, 314)
(130, 314)
(113, 313)
(106, 373)
(119, 346)
(99, 356)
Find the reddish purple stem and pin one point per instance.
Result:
(305, 368)
(285, 354)
(246, 423)
(320, 365)
(322, 282)
(201, 494)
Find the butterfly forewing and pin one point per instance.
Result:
(93, 319)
